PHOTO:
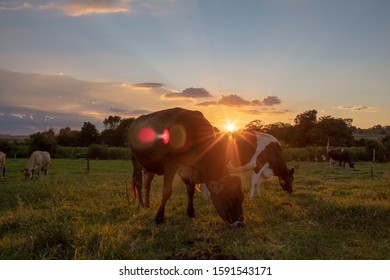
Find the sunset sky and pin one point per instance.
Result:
(66, 62)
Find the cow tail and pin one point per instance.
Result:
(133, 189)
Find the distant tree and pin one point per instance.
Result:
(112, 122)
(256, 125)
(338, 131)
(88, 134)
(43, 141)
(123, 131)
(282, 131)
(68, 137)
(119, 135)
(303, 124)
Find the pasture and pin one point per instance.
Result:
(332, 214)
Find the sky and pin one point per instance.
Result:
(63, 63)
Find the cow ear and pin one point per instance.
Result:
(292, 170)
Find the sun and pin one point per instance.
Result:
(230, 127)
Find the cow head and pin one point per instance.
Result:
(28, 174)
(287, 182)
(227, 197)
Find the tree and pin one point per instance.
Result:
(118, 136)
(88, 134)
(111, 122)
(282, 131)
(256, 125)
(44, 141)
(68, 137)
(303, 124)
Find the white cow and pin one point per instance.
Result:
(39, 161)
(2, 162)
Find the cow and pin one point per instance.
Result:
(340, 155)
(2, 163)
(182, 141)
(260, 153)
(39, 161)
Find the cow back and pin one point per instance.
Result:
(176, 134)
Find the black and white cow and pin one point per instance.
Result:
(340, 155)
(261, 153)
(183, 141)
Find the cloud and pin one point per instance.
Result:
(359, 108)
(190, 93)
(41, 101)
(78, 8)
(207, 103)
(14, 5)
(265, 111)
(149, 85)
(270, 101)
(133, 113)
(233, 100)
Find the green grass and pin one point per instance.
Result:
(332, 214)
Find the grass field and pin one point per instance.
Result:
(332, 214)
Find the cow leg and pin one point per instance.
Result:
(169, 174)
(190, 201)
(254, 183)
(148, 182)
(137, 181)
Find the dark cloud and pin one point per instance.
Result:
(207, 103)
(270, 100)
(20, 121)
(190, 93)
(149, 85)
(235, 100)
(134, 113)
(265, 111)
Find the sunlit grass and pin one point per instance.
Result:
(332, 214)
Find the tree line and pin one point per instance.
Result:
(308, 130)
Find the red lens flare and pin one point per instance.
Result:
(146, 135)
(164, 136)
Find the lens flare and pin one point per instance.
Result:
(164, 136)
(146, 135)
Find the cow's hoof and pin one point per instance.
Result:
(191, 213)
(159, 219)
(238, 224)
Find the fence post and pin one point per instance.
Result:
(87, 171)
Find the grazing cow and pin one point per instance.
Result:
(261, 153)
(341, 156)
(183, 141)
(2, 163)
(39, 161)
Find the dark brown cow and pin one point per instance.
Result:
(341, 156)
(258, 152)
(183, 141)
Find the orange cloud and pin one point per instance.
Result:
(87, 7)
(359, 108)
(77, 8)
